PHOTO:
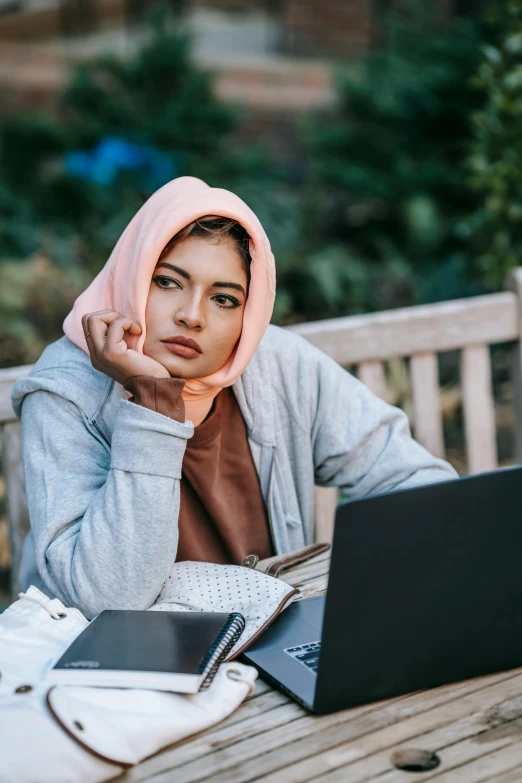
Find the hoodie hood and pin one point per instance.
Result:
(123, 283)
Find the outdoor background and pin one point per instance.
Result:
(379, 141)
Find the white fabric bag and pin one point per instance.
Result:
(86, 735)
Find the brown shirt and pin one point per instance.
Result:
(222, 515)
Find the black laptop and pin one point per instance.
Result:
(425, 588)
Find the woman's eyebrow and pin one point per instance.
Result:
(175, 269)
(230, 285)
(186, 275)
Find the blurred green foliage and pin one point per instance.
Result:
(35, 295)
(377, 212)
(157, 99)
(387, 198)
(495, 159)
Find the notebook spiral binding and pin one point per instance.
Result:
(221, 647)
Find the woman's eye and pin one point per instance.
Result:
(163, 282)
(228, 302)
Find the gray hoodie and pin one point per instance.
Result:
(103, 474)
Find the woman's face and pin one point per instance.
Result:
(197, 293)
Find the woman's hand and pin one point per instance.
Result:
(110, 354)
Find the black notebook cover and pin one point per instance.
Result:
(177, 643)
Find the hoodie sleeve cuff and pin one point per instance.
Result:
(162, 395)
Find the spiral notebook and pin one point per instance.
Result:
(165, 651)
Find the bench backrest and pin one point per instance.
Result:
(366, 341)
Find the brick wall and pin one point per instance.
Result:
(332, 28)
(325, 28)
(232, 5)
(32, 76)
(342, 28)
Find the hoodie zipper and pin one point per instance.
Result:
(95, 425)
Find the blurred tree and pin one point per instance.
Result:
(78, 16)
(70, 184)
(135, 10)
(495, 159)
(158, 97)
(388, 182)
(124, 129)
(35, 295)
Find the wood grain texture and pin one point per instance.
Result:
(326, 499)
(372, 374)
(479, 409)
(512, 776)
(426, 328)
(428, 430)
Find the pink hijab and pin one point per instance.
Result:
(123, 283)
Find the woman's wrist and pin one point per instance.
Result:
(163, 395)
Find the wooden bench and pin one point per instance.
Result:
(366, 342)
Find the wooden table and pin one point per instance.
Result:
(475, 727)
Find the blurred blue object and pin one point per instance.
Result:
(112, 154)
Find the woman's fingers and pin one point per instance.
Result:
(98, 324)
(106, 329)
(85, 325)
(97, 314)
(114, 342)
(88, 337)
(108, 347)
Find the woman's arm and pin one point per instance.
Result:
(361, 443)
(104, 522)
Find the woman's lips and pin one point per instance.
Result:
(183, 350)
(183, 346)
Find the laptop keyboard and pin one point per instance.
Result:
(307, 654)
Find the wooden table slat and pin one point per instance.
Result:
(512, 776)
(481, 769)
(254, 757)
(456, 742)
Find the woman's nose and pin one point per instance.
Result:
(190, 314)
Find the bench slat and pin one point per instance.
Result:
(7, 378)
(424, 372)
(16, 503)
(444, 326)
(326, 499)
(514, 283)
(373, 376)
(479, 409)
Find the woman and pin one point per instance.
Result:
(168, 363)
